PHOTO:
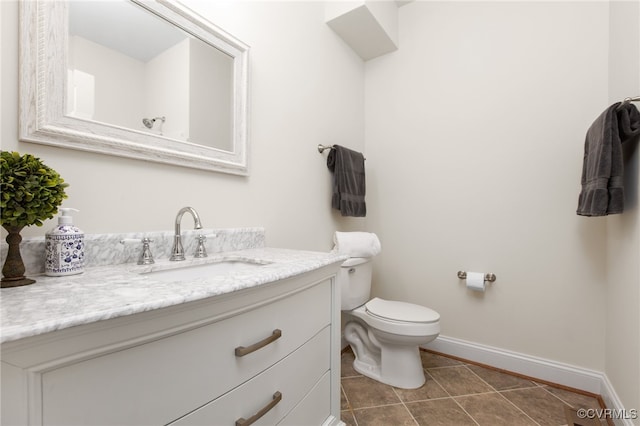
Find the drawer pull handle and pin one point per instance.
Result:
(277, 397)
(242, 350)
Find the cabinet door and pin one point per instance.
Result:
(160, 381)
(274, 392)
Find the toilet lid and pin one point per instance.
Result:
(400, 311)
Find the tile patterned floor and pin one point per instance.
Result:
(455, 394)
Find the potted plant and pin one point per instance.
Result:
(30, 193)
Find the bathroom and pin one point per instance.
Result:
(473, 132)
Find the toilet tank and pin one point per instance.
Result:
(354, 280)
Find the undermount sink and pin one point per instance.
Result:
(208, 270)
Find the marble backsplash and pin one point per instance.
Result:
(106, 249)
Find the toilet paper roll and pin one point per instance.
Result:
(475, 281)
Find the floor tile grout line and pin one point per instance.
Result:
(510, 373)
(437, 382)
(405, 406)
(535, 385)
(556, 396)
(503, 397)
(518, 408)
(400, 402)
(348, 403)
(517, 389)
(493, 391)
(473, 394)
(377, 406)
(481, 379)
(467, 394)
(466, 412)
(452, 398)
(566, 402)
(350, 377)
(545, 388)
(431, 399)
(440, 367)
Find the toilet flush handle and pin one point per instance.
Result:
(352, 270)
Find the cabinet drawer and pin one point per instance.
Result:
(157, 382)
(315, 407)
(292, 377)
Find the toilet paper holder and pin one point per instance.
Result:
(487, 277)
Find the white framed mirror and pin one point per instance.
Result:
(150, 80)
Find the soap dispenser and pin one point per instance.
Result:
(64, 246)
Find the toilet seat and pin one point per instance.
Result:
(396, 318)
(400, 311)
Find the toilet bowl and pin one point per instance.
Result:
(384, 335)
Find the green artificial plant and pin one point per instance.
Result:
(31, 191)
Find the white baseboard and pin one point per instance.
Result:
(543, 369)
(611, 400)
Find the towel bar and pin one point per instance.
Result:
(627, 101)
(321, 148)
(487, 277)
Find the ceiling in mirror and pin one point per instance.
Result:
(96, 21)
(148, 80)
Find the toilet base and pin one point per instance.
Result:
(398, 374)
(393, 364)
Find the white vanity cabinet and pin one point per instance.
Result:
(267, 354)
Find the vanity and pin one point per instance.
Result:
(256, 343)
(247, 335)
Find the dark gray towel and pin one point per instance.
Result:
(348, 181)
(603, 165)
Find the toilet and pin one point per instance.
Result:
(384, 335)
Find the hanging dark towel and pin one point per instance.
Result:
(348, 181)
(603, 167)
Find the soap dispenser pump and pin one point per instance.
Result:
(64, 246)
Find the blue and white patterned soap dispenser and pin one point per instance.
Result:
(64, 247)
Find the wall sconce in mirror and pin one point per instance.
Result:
(85, 86)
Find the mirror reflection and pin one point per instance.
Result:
(130, 68)
(143, 79)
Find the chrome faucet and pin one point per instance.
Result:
(177, 253)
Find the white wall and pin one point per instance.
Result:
(211, 99)
(474, 139)
(121, 98)
(623, 231)
(167, 90)
(305, 89)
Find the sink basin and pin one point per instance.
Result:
(208, 270)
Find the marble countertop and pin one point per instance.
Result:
(104, 292)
